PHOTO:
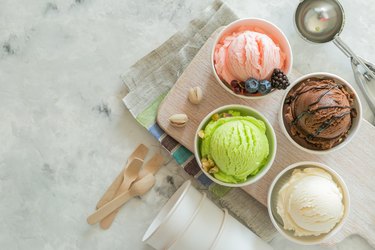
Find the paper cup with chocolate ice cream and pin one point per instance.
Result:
(320, 113)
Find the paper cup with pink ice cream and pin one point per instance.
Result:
(251, 58)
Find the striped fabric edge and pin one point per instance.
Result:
(186, 160)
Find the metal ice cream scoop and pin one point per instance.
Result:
(321, 21)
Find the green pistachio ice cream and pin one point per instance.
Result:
(238, 145)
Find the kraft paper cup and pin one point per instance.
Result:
(174, 217)
(262, 26)
(234, 235)
(203, 229)
(245, 111)
(281, 179)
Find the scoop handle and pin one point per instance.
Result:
(363, 84)
(364, 72)
(356, 59)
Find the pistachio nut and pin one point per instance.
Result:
(178, 120)
(211, 163)
(215, 117)
(205, 165)
(213, 170)
(195, 95)
(201, 134)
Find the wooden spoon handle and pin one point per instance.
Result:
(107, 221)
(140, 152)
(152, 166)
(128, 180)
(108, 208)
(139, 188)
(111, 191)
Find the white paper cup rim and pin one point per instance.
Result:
(156, 224)
(226, 214)
(180, 234)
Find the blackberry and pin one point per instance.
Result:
(279, 80)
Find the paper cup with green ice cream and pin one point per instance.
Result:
(235, 145)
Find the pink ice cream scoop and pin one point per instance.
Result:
(247, 54)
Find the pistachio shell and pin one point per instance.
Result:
(178, 120)
(195, 95)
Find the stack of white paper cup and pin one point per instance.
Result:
(234, 235)
(189, 220)
(174, 217)
(203, 229)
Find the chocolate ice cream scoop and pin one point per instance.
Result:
(318, 113)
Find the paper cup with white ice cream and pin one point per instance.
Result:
(251, 58)
(235, 145)
(308, 202)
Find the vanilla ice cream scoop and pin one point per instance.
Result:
(310, 203)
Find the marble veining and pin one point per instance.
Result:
(65, 133)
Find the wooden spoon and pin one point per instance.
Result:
(152, 166)
(138, 188)
(140, 152)
(130, 174)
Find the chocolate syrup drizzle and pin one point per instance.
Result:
(327, 123)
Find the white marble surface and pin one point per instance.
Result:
(64, 131)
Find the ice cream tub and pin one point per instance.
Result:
(250, 48)
(308, 202)
(174, 217)
(238, 141)
(320, 113)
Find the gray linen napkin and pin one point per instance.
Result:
(152, 77)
